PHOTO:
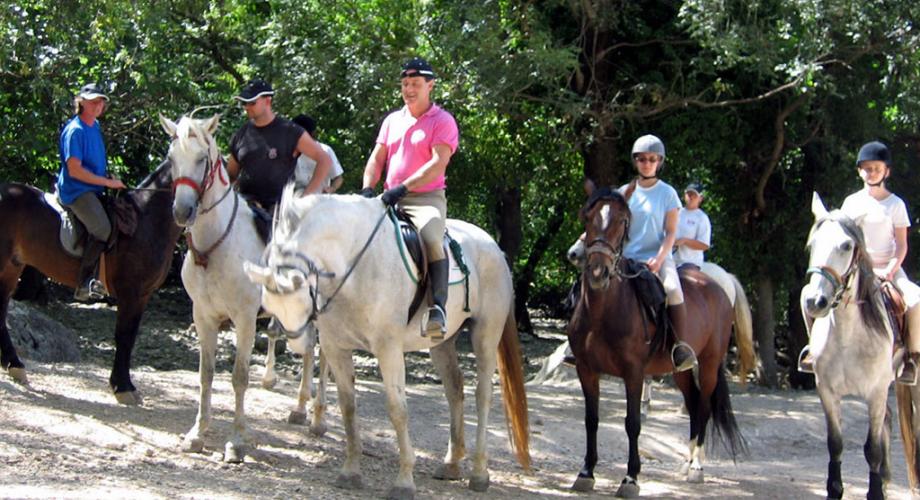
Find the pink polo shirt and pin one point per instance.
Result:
(409, 142)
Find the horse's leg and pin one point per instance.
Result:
(206, 328)
(343, 369)
(646, 406)
(444, 357)
(590, 388)
(831, 404)
(393, 371)
(691, 393)
(699, 420)
(875, 446)
(486, 351)
(629, 487)
(270, 377)
(318, 425)
(235, 449)
(127, 322)
(298, 415)
(9, 359)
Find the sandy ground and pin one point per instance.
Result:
(65, 437)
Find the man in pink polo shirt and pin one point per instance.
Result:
(415, 144)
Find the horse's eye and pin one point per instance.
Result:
(847, 246)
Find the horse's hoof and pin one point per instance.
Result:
(297, 418)
(193, 445)
(234, 453)
(128, 398)
(401, 493)
(448, 472)
(318, 429)
(583, 484)
(684, 468)
(695, 475)
(628, 489)
(269, 382)
(479, 484)
(19, 375)
(349, 482)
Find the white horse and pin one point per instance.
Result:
(851, 342)
(336, 259)
(221, 235)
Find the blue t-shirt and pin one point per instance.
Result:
(649, 206)
(84, 142)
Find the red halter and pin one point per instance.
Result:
(207, 179)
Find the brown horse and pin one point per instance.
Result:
(135, 267)
(610, 334)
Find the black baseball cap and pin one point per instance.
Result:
(417, 67)
(254, 90)
(696, 187)
(91, 91)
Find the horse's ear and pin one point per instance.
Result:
(589, 187)
(211, 124)
(817, 206)
(257, 274)
(168, 125)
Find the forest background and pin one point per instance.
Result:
(763, 101)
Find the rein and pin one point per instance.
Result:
(314, 270)
(201, 258)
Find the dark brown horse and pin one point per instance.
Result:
(135, 267)
(610, 334)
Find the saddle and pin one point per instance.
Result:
(262, 219)
(410, 241)
(652, 299)
(122, 214)
(896, 309)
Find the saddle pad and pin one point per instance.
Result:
(72, 230)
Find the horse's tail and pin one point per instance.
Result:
(512, 381)
(744, 332)
(724, 426)
(905, 419)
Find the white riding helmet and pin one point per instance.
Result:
(649, 144)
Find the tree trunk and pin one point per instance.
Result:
(601, 164)
(526, 273)
(798, 338)
(764, 326)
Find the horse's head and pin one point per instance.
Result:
(576, 253)
(195, 163)
(835, 247)
(606, 216)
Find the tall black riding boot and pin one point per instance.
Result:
(88, 287)
(682, 354)
(437, 315)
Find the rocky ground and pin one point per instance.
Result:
(64, 436)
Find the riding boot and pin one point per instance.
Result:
(437, 314)
(911, 342)
(88, 287)
(682, 354)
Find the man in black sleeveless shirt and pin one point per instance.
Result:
(264, 151)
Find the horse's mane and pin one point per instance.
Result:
(868, 288)
(603, 193)
(189, 130)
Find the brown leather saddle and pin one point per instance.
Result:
(122, 214)
(896, 309)
(414, 246)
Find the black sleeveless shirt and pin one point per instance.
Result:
(266, 159)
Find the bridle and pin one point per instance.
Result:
(840, 283)
(614, 253)
(313, 270)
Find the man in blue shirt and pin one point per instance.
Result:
(83, 176)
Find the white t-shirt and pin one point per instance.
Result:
(693, 225)
(649, 206)
(880, 218)
(303, 173)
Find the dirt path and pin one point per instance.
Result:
(66, 437)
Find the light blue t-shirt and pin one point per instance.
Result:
(79, 140)
(649, 206)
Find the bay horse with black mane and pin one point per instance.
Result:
(135, 267)
(610, 334)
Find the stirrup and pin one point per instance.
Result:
(806, 363)
(90, 290)
(908, 372)
(688, 363)
(437, 323)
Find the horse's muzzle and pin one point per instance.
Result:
(185, 215)
(815, 304)
(598, 276)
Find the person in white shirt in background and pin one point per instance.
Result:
(693, 229)
(306, 165)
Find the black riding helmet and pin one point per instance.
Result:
(874, 150)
